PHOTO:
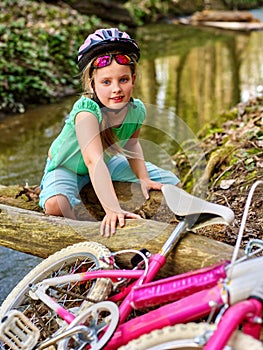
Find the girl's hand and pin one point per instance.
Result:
(147, 185)
(111, 219)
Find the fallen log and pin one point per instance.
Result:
(223, 16)
(129, 195)
(230, 20)
(33, 232)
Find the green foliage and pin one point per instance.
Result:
(38, 44)
(147, 10)
(241, 4)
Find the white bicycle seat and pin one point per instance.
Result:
(183, 204)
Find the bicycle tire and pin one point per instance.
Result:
(181, 336)
(84, 256)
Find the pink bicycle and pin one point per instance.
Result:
(79, 299)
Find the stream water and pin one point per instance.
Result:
(187, 77)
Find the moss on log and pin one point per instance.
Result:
(129, 195)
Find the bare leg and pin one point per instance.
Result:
(59, 206)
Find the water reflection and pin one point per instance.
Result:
(210, 75)
(25, 139)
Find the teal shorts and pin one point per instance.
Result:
(65, 182)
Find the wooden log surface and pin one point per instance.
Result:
(223, 16)
(41, 235)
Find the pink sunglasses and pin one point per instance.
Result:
(104, 61)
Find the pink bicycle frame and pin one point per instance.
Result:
(192, 308)
(149, 294)
(198, 292)
(184, 310)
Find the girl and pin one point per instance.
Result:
(99, 142)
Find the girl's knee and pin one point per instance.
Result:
(59, 206)
(52, 206)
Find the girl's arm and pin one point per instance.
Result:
(136, 161)
(88, 135)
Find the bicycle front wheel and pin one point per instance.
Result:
(183, 336)
(80, 257)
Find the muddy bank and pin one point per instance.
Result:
(234, 153)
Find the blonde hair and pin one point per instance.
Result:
(108, 137)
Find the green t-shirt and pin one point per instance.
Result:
(65, 151)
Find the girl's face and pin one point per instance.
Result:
(114, 84)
